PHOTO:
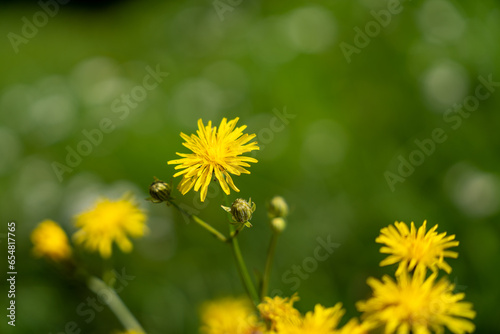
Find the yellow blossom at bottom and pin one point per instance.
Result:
(50, 241)
(320, 321)
(130, 331)
(417, 305)
(231, 316)
(279, 311)
(353, 326)
(110, 221)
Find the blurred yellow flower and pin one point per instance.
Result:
(130, 331)
(321, 321)
(110, 221)
(417, 305)
(353, 326)
(216, 152)
(416, 249)
(280, 311)
(50, 241)
(230, 315)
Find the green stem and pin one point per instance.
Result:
(115, 304)
(202, 223)
(242, 269)
(235, 233)
(209, 228)
(240, 262)
(269, 263)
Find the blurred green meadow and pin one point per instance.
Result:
(367, 112)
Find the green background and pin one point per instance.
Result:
(353, 121)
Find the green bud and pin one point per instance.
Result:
(278, 224)
(277, 207)
(241, 210)
(160, 191)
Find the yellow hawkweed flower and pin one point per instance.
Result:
(354, 327)
(321, 321)
(110, 221)
(229, 315)
(50, 241)
(280, 311)
(417, 305)
(416, 249)
(130, 331)
(215, 151)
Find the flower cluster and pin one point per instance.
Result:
(276, 315)
(415, 302)
(106, 222)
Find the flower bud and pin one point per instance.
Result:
(278, 224)
(241, 210)
(277, 207)
(160, 191)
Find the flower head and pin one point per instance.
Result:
(277, 207)
(416, 249)
(110, 221)
(278, 224)
(241, 210)
(320, 321)
(160, 191)
(230, 315)
(353, 326)
(215, 151)
(417, 305)
(280, 311)
(50, 241)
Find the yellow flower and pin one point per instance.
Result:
(216, 152)
(354, 327)
(416, 249)
(321, 321)
(417, 305)
(130, 331)
(231, 316)
(110, 221)
(50, 241)
(280, 311)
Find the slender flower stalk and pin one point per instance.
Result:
(240, 262)
(202, 223)
(115, 304)
(237, 231)
(242, 269)
(269, 264)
